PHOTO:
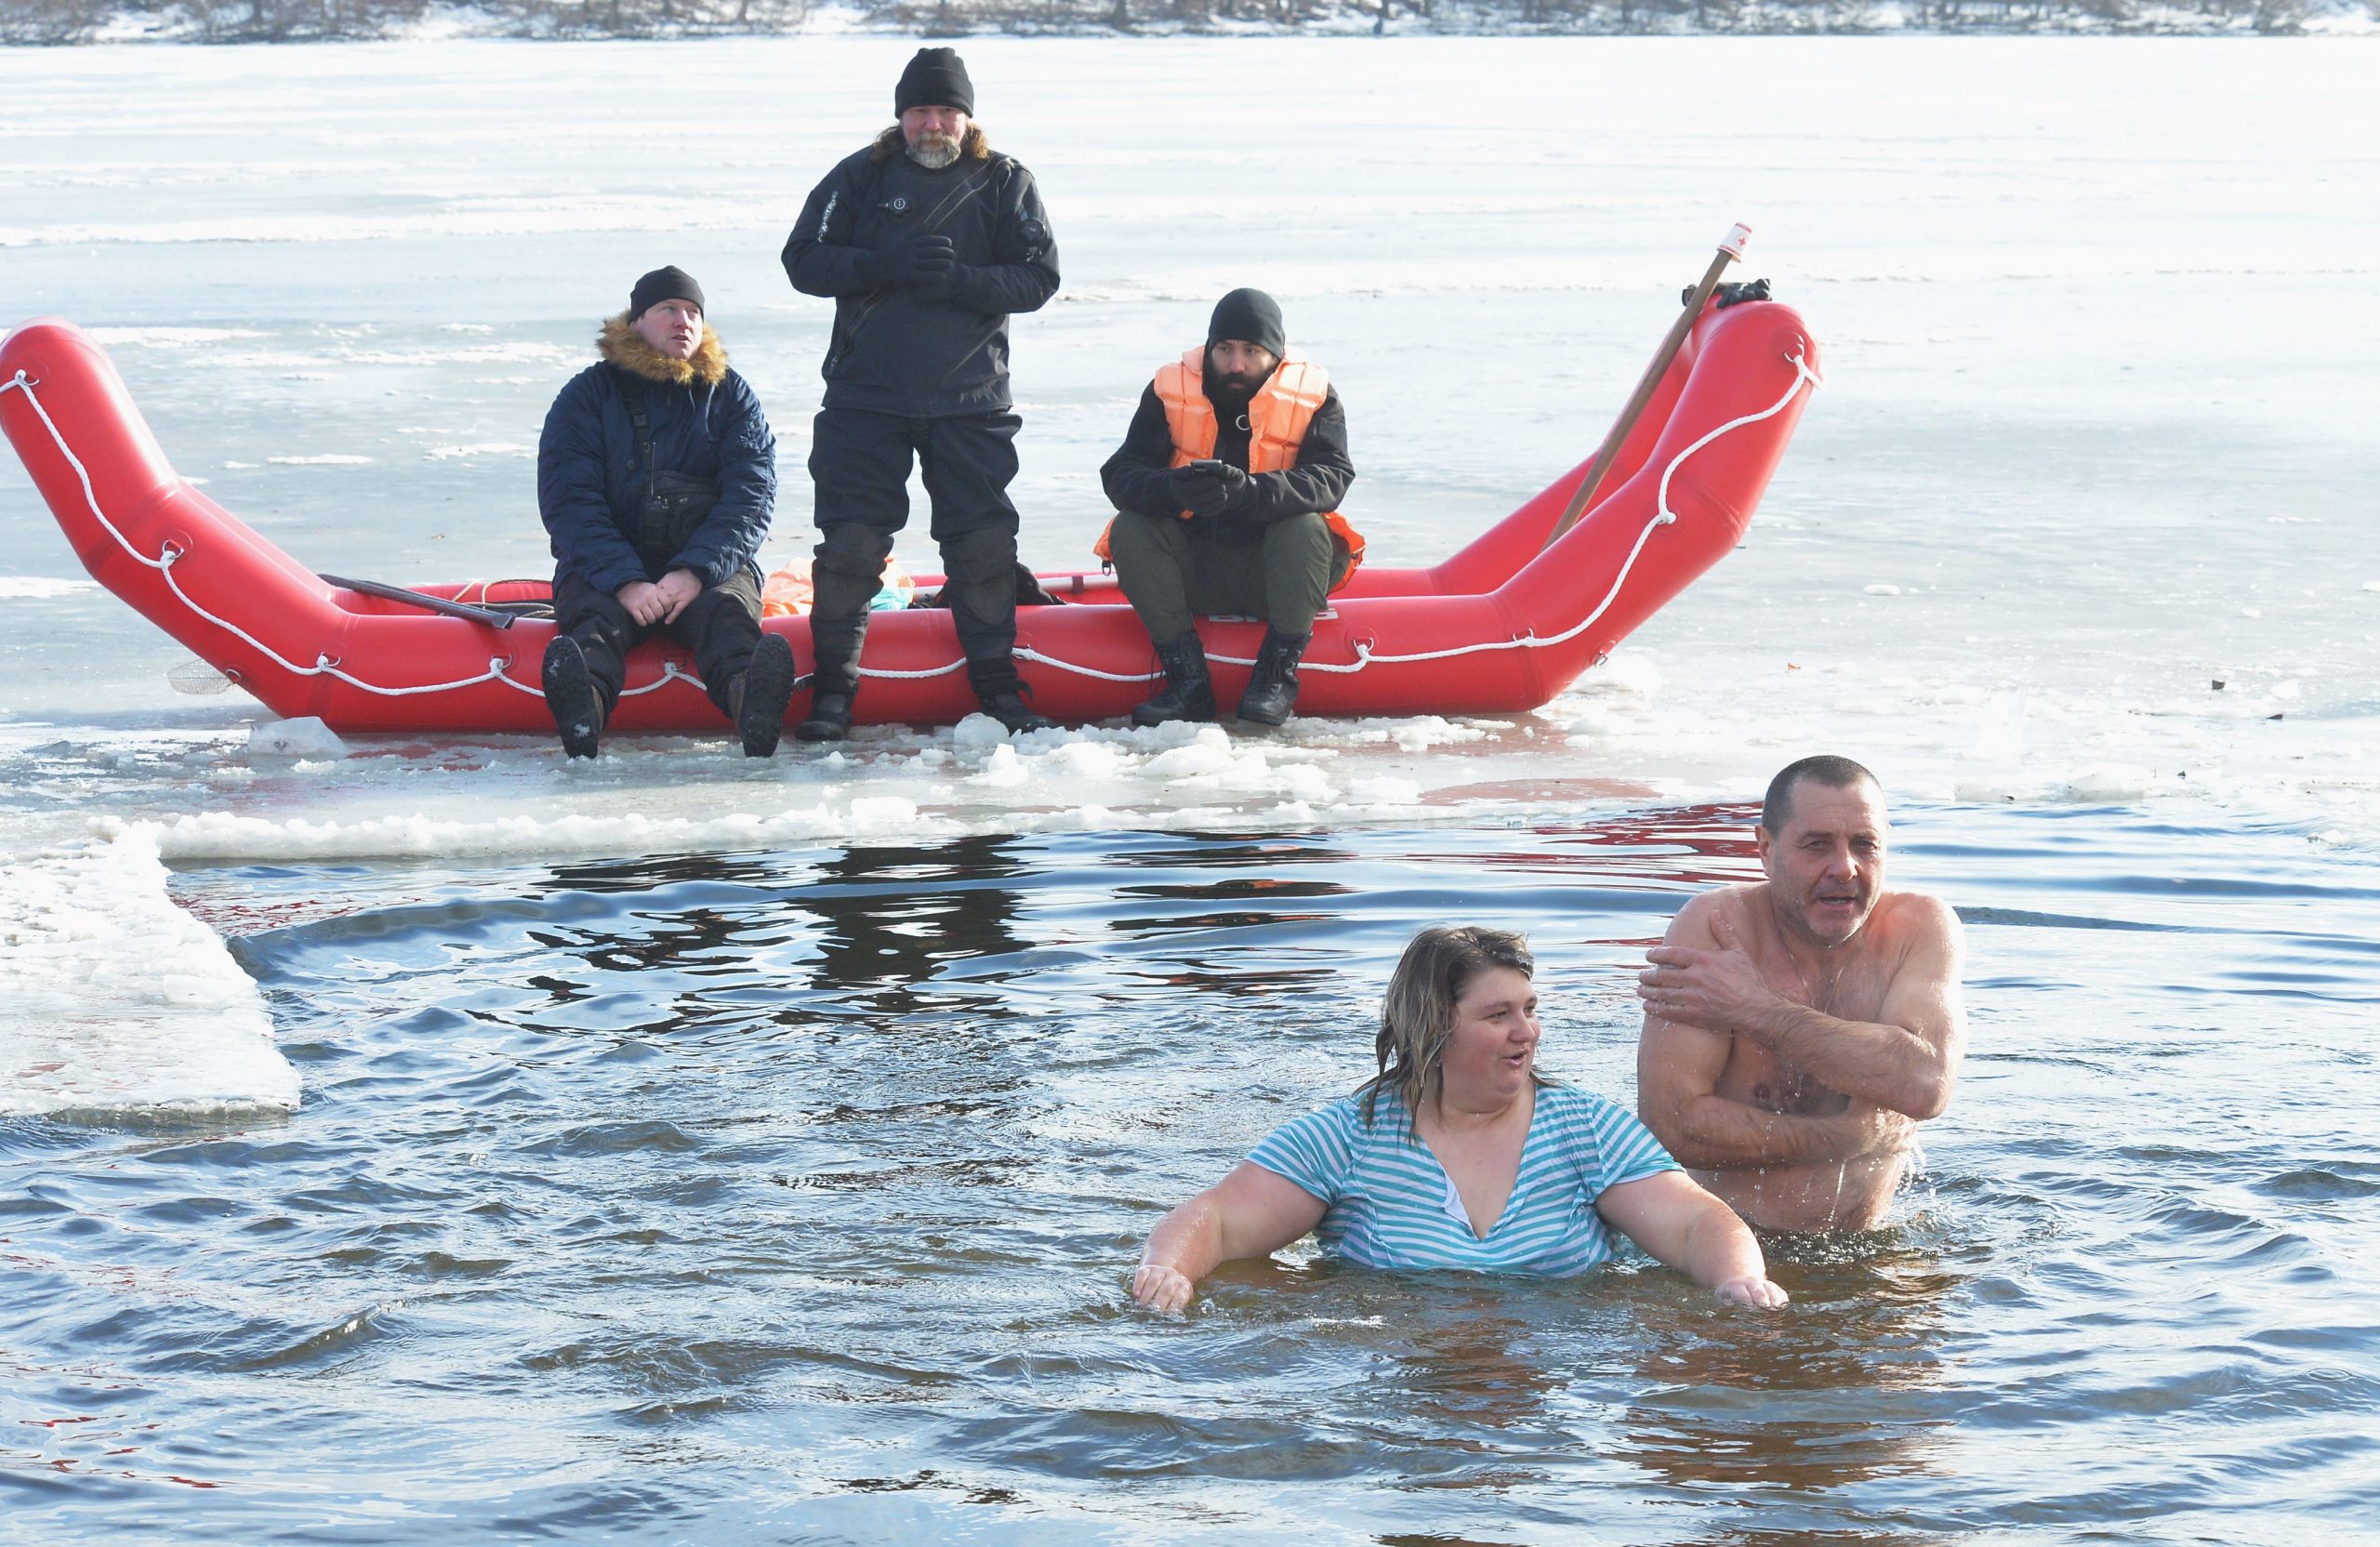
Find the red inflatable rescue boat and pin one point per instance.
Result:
(1500, 627)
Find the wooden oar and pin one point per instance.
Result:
(1729, 251)
(488, 615)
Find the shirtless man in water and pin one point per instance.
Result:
(1798, 1030)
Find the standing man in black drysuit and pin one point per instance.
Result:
(657, 476)
(927, 241)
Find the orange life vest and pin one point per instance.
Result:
(1277, 418)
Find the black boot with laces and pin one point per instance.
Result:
(1189, 693)
(1272, 686)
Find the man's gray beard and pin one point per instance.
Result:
(934, 151)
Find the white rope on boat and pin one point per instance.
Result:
(1026, 652)
(670, 671)
(325, 665)
(1662, 516)
(890, 675)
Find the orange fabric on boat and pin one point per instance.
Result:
(787, 592)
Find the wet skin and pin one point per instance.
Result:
(1798, 1030)
(1475, 1121)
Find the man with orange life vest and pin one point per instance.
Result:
(1226, 490)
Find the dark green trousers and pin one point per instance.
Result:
(1170, 576)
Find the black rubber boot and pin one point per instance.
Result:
(1188, 692)
(829, 718)
(570, 694)
(760, 694)
(1011, 709)
(1272, 686)
(1002, 693)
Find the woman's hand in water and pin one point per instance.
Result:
(1162, 1288)
(1760, 1293)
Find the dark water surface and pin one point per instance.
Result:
(791, 1197)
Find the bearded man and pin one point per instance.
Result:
(1226, 491)
(927, 241)
(1797, 1030)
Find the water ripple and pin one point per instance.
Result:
(794, 1195)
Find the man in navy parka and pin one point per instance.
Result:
(657, 476)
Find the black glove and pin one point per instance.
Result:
(922, 262)
(1198, 488)
(1238, 488)
(936, 259)
(1730, 293)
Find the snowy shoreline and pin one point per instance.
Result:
(414, 20)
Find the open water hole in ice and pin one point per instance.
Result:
(791, 1195)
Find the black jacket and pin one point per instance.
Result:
(707, 423)
(1135, 477)
(900, 351)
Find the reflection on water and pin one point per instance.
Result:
(777, 1196)
(890, 920)
(1793, 1419)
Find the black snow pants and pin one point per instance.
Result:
(721, 626)
(859, 466)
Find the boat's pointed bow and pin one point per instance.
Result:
(74, 423)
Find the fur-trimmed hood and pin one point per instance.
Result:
(620, 345)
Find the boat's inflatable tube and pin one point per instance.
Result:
(1499, 627)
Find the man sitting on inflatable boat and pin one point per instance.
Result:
(1226, 490)
(657, 476)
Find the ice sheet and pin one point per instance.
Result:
(119, 1002)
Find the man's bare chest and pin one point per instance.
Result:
(1756, 1077)
(1851, 988)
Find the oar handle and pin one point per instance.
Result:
(1729, 251)
(488, 615)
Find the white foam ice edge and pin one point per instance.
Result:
(118, 1000)
(1621, 734)
(666, 796)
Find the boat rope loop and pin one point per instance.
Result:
(671, 672)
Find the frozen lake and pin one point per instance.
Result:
(435, 1141)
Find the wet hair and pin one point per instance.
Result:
(1826, 771)
(892, 142)
(1417, 1015)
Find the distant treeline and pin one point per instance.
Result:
(51, 22)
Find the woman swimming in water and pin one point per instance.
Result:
(1458, 1154)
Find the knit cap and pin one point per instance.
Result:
(935, 78)
(669, 283)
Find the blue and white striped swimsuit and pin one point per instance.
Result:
(1392, 1205)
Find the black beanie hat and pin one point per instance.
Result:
(1250, 316)
(666, 283)
(935, 78)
